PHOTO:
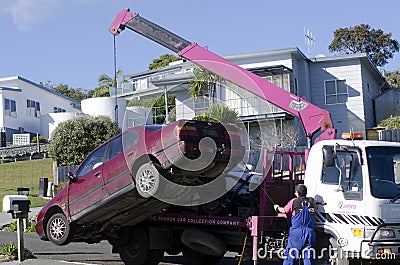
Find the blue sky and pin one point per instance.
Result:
(68, 41)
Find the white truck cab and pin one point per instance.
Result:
(355, 184)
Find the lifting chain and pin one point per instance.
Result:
(115, 81)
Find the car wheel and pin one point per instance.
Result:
(136, 251)
(58, 229)
(147, 180)
(193, 257)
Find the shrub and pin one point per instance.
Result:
(41, 139)
(218, 113)
(393, 122)
(73, 139)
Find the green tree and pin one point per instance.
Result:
(163, 61)
(379, 46)
(73, 139)
(204, 82)
(106, 82)
(393, 78)
(393, 122)
(219, 113)
(77, 94)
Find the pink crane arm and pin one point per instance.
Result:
(313, 118)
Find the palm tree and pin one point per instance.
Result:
(204, 80)
(219, 113)
(106, 83)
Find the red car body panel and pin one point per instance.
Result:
(104, 192)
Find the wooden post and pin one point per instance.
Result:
(55, 173)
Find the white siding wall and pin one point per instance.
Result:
(20, 120)
(1, 109)
(105, 106)
(47, 100)
(389, 104)
(371, 89)
(345, 116)
(50, 121)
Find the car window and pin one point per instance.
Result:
(129, 138)
(92, 162)
(115, 147)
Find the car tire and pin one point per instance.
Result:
(58, 229)
(147, 180)
(137, 252)
(193, 257)
(203, 242)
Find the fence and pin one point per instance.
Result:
(390, 135)
(60, 173)
(27, 150)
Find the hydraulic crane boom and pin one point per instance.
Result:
(313, 118)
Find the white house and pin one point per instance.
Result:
(23, 103)
(345, 85)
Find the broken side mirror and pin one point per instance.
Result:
(71, 177)
(329, 156)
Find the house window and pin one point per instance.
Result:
(10, 108)
(58, 110)
(335, 92)
(32, 108)
(281, 80)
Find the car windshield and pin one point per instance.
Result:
(384, 171)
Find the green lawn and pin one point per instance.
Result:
(25, 174)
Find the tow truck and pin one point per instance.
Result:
(354, 182)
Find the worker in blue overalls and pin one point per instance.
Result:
(301, 241)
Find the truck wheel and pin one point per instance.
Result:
(137, 252)
(147, 180)
(203, 242)
(119, 238)
(58, 230)
(336, 258)
(193, 257)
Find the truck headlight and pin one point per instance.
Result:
(381, 234)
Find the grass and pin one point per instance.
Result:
(25, 174)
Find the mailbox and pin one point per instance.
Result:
(17, 205)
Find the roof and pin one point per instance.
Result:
(38, 86)
(343, 57)
(168, 68)
(294, 51)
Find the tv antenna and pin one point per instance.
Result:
(309, 40)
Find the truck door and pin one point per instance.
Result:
(340, 190)
(88, 189)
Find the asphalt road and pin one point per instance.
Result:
(92, 253)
